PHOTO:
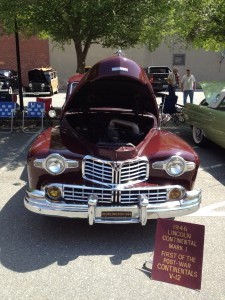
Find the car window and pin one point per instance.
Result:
(71, 87)
(159, 70)
(48, 76)
(222, 105)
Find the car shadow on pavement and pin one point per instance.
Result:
(31, 242)
(13, 149)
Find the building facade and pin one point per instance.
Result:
(34, 53)
(205, 65)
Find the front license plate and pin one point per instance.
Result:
(116, 214)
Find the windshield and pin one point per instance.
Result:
(37, 76)
(5, 73)
(211, 90)
(159, 70)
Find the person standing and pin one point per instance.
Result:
(173, 82)
(188, 85)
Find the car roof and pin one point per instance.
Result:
(44, 69)
(75, 77)
(7, 70)
(159, 66)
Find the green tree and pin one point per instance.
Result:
(201, 23)
(111, 23)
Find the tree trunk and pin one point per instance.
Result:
(81, 55)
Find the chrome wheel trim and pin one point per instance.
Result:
(198, 135)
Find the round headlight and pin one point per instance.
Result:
(55, 164)
(175, 166)
(52, 113)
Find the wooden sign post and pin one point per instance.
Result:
(178, 253)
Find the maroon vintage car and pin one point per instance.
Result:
(72, 83)
(109, 161)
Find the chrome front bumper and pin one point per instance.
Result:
(36, 202)
(36, 93)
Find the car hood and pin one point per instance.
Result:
(214, 92)
(36, 75)
(115, 82)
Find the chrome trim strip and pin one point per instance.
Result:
(161, 165)
(69, 163)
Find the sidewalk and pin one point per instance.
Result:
(198, 97)
(59, 99)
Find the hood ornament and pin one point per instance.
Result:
(119, 52)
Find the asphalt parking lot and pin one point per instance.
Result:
(50, 258)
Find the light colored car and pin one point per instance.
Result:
(208, 118)
(42, 81)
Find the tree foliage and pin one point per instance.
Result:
(111, 23)
(117, 23)
(201, 23)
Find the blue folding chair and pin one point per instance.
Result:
(7, 112)
(33, 116)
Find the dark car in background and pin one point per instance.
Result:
(42, 81)
(108, 160)
(158, 77)
(8, 81)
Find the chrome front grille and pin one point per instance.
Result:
(80, 194)
(36, 87)
(153, 195)
(133, 171)
(98, 170)
(120, 172)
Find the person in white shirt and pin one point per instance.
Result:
(188, 85)
(173, 82)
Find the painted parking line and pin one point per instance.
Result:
(211, 210)
(19, 152)
(211, 167)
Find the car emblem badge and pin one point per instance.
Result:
(117, 166)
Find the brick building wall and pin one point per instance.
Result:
(34, 53)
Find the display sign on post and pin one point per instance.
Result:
(178, 253)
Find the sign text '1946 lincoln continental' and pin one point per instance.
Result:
(108, 161)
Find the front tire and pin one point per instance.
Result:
(198, 136)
